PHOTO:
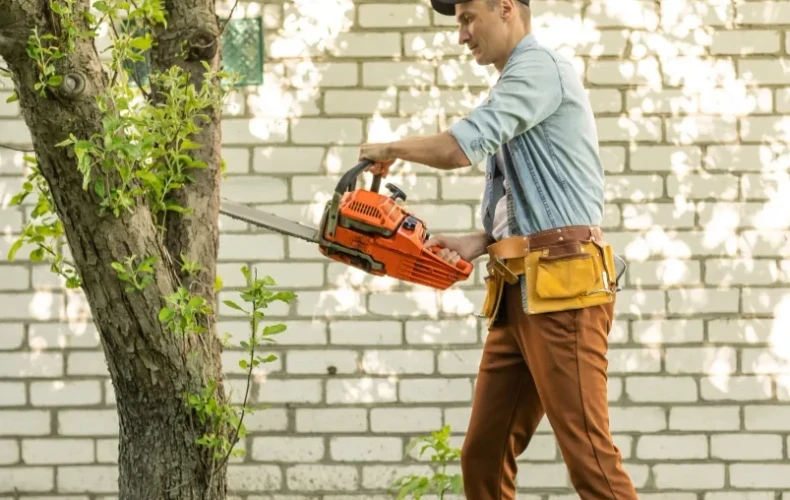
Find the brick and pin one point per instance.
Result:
(365, 449)
(664, 273)
(457, 74)
(401, 304)
(57, 451)
(700, 360)
(330, 304)
(766, 243)
(757, 42)
(15, 132)
(745, 157)
(759, 128)
(27, 479)
(764, 361)
(703, 300)
(327, 131)
(728, 272)
(291, 160)
(760, 475)
(13, 277)
(634, 360)
(544, 476)
(459, 362)
(365, 332)
(290, 391)
(646, 215)
(641, 72)
(358, 44)
(692, 71)
(237, 160)
(704, 418)
(361, 390)
(453, 217)
(65, 393)
(418, 390)
(462, 188)
(613, 158)
(107, 449)
(432, 102)
(12, 394)
(254, 131)
(287, 449)
(742, 495)
(254, 189)
(322, 477)
(432, 45)
(681, 159)
(382, 476)
(87, 363)
(666, 447)
(746, 447)
(767, 186)
(622, 129)
(26, 364)
(391, 362)
(689, 476)
(335, 420)
(766, 418)
(767, 72)
(251, 246)
(9, 452)
(635, 14)
(30, 306)
(397, 420)
(254, 478)
(393, 16)
(699, 129)
(634, 187)
(735, 388)
(760, 13)
(359, 102)
(87, 423)
(310, 75)
(402, 74)
(86, 478)
(661, 389)
(703, 186)
(12, 335)
(763, 300)
(309, 362)
(644, 302)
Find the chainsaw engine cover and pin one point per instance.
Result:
(376, 234)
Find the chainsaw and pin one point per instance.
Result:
(367, 230)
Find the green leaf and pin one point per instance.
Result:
(55, 80)
(37, 255)
(233, 305)
(166, 314)
(274, 329)
(13, 97)
(142, 43)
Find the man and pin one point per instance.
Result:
(551, 284)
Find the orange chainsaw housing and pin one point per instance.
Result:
(376, 234)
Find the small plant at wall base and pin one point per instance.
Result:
(127, 177)
(439, 483)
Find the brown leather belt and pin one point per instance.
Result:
(518, 246)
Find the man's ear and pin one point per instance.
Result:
(508, 9)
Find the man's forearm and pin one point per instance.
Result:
(479, 241)
(438, 151)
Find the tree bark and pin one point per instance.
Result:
(151, 369)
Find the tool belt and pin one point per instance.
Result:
(565, 268)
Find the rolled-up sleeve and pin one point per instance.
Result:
(528, 91)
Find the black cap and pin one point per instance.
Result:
(447, 7)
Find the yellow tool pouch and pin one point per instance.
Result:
(569, 275)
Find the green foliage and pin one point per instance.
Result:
(439, 482)
(137, 275)
(226, 422)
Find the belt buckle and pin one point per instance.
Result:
(496, 264)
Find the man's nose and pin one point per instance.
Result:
(463, 36)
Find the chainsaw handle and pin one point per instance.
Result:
(462, 265)
(348, 181)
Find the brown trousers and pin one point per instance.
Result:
(547, 364)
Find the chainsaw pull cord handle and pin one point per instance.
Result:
(348, 182)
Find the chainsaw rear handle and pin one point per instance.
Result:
(348, 182)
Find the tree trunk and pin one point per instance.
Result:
(153, 370)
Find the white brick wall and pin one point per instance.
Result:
(692, 101)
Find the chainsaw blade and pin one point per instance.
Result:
(268, 221)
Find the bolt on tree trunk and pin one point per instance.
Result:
(126, 177)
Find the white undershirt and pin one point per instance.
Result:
(500, 227)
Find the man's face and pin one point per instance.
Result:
(481, 29)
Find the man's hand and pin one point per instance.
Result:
(380, 155)
(453, 248)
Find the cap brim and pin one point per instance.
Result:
(446, 7)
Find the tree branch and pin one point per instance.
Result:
(17, 148)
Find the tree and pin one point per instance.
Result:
(127, 177)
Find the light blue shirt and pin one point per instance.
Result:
(539, 114)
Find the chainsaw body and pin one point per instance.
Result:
(373, 232)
